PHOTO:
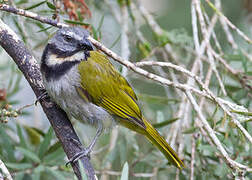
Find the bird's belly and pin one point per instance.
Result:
(85, 112)
(64, 93)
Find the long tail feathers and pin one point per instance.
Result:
(156, 139)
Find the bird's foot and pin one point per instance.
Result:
(42, 96)
(85, 152)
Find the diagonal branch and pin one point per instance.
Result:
(57, 117)
(187, 88)
(207, 93)
(4, 173)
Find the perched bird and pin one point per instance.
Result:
(84, 83)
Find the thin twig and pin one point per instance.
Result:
(29, 14)
(57, 117)
(244, 36)
(125, 51)
(188, 88)
(232, 164)
(129, 64)
(112, 144)
(192, 157)
(4, 171)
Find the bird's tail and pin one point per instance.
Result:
(156, 139)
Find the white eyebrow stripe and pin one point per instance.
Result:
(75, 36)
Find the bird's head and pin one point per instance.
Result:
(67, 47)
(69, 41)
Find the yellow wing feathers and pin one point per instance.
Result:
(105, 87)
(108, 88)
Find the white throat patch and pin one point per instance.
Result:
(54, 60)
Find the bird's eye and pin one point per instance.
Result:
(68, 38)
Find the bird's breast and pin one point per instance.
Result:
(64, 93)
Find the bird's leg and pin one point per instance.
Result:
(41, 97)
(86, 151)
(44, 96)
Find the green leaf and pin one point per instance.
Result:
(19, 166)
(14, 102)
(165, 123)
(125, 172)
(156, 99)
(82, 171)
(249, 73)
(39, 169)
(20, 29)
(129, 8)
(100, 23)
(39, 131)
(29, 154)
(53, 147)
(55, 173)
(41, 27)
(55, 158)
(16, 86)
(122, 145)
(46, 142)
(35, 5)
(115, 42)
(248, 120)
(19, 175)
(21, 137)
(35, 176)
(21, 2)
(234, 57)
(163, 39)
(80, 16)
(190, 130)
(94, 33)
(44, 29)
(50, 5)
(233, 88)
(110, 157)
(144, 48)
(242, 113)
(208, 150)
(76, 22)
(34, 136)
(6, 143)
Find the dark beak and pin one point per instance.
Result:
(86, 45)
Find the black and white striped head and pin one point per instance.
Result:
(68, 47)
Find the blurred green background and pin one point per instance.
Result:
(28, 146)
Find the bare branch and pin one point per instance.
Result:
(244, 36)
(232, 164)
(192, 157)
(188, 88)
(29, 14)
(57, 117)
(4, 173)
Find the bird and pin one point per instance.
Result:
(85, 84)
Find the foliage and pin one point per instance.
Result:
(33, 153)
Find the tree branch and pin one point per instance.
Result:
(57, 117)
(184, 87)
(4, 173)
(187, 88)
